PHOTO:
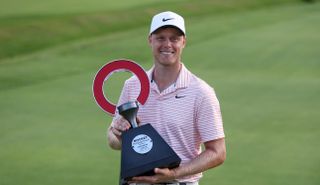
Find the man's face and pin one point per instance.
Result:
(167, 45)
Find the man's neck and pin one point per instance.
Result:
(164, 76)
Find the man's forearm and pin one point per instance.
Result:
(214, 155)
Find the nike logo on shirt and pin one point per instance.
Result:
(177, 96)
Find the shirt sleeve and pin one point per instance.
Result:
(209, 119)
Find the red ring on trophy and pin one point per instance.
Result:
(115, 66)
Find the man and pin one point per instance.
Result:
(181, 107)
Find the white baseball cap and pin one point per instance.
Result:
(167, 19)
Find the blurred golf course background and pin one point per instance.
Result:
(262, 57)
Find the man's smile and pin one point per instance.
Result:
(167, 52)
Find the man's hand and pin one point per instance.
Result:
(115, 130)
(161, 175)
(119, 125)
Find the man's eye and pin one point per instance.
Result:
(174, 39)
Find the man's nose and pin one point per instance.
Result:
(167, 42)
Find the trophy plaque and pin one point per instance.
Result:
(143, 149)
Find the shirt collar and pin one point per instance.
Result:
(182, 81)
(183, 78)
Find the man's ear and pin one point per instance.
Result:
(149, 39)
(184, 41)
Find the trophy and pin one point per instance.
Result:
(143, 149)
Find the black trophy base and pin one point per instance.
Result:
(143, 149)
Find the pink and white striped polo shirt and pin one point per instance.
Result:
(185, 114)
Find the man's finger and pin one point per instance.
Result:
(143, 179)
(121, 124)
(116, 132)
(125, 125)
(160, 171)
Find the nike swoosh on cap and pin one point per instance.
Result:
(164, 19)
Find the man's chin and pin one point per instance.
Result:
(167, 61)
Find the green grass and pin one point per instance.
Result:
(22, 32)
(37, 7)
(262, 59)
